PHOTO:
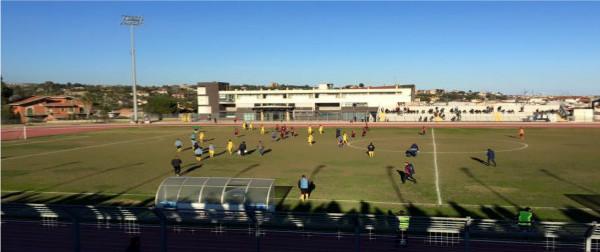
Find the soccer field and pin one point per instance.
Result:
(554, 170)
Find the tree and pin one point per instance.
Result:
(88, 102)
(161, 105)
(362, 85)
(7, 92)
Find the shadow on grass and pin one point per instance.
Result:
(468, 173)
(84, 198)
(579, 215)
(315, 172)
(331, 207)
(220, 153)
(390, 175)
(490, 213)
(56, 166)
(366, 208)
(479, 160)
(91, 175)
(463, 212)
(550, 174)
(591, 201)
(281, 193)
(250, 167)
(98, 198)
(188, 170)
(12, 194)
(487, 212)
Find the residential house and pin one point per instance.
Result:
(160, 91)
(141, 93)
(178, 96)
(48, 108)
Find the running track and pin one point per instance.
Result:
(16, 132)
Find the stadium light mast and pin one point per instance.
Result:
(133, 21)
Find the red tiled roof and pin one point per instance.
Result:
(28, 100)
(51, 101)
(59, 105)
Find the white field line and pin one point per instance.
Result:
(8, 145)
(437, 177)
(87, 147)
(320, 200)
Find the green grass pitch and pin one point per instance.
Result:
(554, 170)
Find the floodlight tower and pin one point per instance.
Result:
(133, 21)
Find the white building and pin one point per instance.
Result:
(322, 103)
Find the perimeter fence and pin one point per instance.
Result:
(39, 227)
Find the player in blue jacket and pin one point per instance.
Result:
(198, 154)
(491, 157)
(303, 185)
(178, 145)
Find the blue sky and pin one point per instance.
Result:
(510, 47)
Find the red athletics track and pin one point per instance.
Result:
(16, 132)
(23, 236)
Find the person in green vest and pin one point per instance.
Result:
(525, 219)
(403, 224)
(196, 129)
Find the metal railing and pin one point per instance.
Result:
(364, 231)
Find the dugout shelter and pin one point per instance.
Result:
(208, 193)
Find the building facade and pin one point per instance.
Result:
(322, 103)
(47, 108)
(208, 98)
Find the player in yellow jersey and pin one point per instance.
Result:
(310, 139)
(321, 129)
(262, 129)
(230, 147)
(309, 129)
(345, 138)
(201, 137)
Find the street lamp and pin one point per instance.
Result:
(133, 21)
